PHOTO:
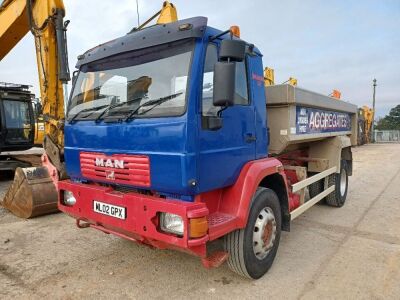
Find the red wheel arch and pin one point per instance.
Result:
(236, 199)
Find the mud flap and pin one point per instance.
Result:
(31, 194)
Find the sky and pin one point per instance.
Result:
(326, 45)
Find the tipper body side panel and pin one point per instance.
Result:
(297, 116)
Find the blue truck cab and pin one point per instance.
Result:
(150, 93)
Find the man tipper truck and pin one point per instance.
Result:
(172, 140)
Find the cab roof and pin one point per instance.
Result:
(147, 37)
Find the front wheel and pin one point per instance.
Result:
(252, 249)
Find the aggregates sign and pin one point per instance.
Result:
(311, 120)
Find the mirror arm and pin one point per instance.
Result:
(219, 113)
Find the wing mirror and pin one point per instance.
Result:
(74, 77)
(224, 83)
(231, 51)
(39, 108)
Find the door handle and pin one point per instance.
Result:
(250, 138)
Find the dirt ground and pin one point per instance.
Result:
(347, 253)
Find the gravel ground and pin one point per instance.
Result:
(346, 253)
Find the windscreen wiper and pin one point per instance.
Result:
(110, 107)
(152, 103)
(91, 109)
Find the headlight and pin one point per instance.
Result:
(171, 223)
(69, 198)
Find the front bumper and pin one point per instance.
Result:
(142, 216)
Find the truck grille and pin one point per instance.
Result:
(124, 169)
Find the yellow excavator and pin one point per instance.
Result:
(269, 78)
(34, 190)
(365, 119)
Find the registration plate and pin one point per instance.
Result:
(109, 210)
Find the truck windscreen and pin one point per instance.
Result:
(130, 84)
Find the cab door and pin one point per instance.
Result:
(2, 127)
(18, 123)
(224, 151)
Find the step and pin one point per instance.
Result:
(219, 224)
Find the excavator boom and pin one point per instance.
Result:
(15, 26)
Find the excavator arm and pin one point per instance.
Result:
(45, 20)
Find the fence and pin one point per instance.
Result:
(387, 136)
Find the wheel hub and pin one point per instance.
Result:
(342, 182)
(264, 233)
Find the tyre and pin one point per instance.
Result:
(315, 188)
(252, 249)
(341, 183)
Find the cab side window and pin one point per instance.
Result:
(208, 109)
(241, 91)
(241, 83)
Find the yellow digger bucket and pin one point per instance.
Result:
(31, 194)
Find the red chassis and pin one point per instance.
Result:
(225, 209)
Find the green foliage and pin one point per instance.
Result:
(390, 121)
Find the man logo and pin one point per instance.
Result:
(110, 175)
(109, 163)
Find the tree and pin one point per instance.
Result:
(390, 121)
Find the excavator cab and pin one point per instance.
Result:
(17, 121)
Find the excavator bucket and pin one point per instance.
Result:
(32, 193)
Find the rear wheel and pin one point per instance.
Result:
(315, 188)
(341, 183)
(252, 249)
